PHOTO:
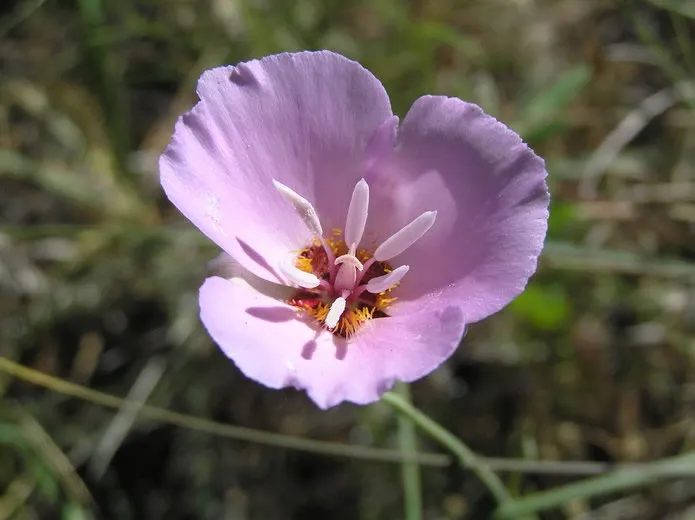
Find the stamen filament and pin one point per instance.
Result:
(325, 285)
(330, 255)
(365, 270)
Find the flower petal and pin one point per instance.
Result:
(303, 119)
(382, 142)
(273, 345)
(491, 198)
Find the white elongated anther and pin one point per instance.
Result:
(303, 208)
(382, 283)
(357, 214)
(299, 277)
(406, 237)
(335, 312)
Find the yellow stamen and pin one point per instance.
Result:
(304, 264)
(353, 319)
(383, 302)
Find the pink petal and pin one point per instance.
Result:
(303, 119)
(273, 345)
(382, 142)
(491, 198)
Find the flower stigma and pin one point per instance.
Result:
(339, 284)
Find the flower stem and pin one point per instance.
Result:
(145, 411)
(466, 457)
(620, 480)
(410, 469)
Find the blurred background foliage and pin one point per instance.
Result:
(99, 275)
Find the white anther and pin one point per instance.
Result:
(297, 276)
(406, 237)
(335, 312)
(357, 214)
(382, 283)
(302, 206)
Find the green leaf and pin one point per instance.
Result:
(543, 113)
(46, 480)
(683, 7)
(546, 308)
(430, 32)
(73, 511)
(564, 255)
(10, 434)
(562, 216)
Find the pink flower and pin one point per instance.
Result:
(356, 250)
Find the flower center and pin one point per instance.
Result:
(341, 285)
(360, 305)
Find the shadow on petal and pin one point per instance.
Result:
(340, 348)
(257, 258)
(308, 349)
(243, 76)
(272, 314)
